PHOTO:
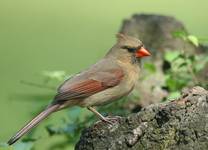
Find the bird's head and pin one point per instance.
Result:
(128, 48)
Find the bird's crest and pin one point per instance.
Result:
(120, 36)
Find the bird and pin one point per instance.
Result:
(111, 78)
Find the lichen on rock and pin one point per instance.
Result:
(180, 124)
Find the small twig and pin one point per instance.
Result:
(37, 85)
(190, 69)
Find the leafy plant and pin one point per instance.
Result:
(183, 68)
(186, 37)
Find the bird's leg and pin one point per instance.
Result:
(105, 119)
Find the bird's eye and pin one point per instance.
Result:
(130, 49)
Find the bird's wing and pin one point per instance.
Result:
(90, 84)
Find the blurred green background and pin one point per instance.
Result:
(65, 35)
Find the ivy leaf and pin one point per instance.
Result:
(193, 39)
(171, 55)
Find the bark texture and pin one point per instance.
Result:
(180, 124)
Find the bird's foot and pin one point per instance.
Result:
(111, 119)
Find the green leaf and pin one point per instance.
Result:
(202, 39)
(171, 83)
(179, 34)
(198, 67)
(150, 67)
(192, 58)
(3, 144)
(171, 55)
(23, 146)
(193, 39)
(58, 75)
(179, 64)
(74, 113)
(201, 63)
(173, 95)
(184, 64)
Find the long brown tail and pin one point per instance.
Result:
(33, 123)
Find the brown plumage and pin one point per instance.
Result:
(110, 78)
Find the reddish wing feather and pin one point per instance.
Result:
(90, 86)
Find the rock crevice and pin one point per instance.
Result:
(179, 124)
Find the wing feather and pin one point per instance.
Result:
(93, 84)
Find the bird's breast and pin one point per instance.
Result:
(131, 73)
(122, 89)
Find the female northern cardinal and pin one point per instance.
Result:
(110, 78)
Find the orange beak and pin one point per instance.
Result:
(142, 52)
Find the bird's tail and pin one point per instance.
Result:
(33, 123)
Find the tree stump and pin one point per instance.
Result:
(180, 124)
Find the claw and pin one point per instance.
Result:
(111, 120)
